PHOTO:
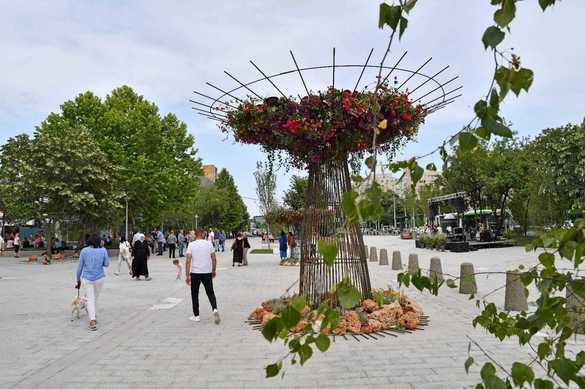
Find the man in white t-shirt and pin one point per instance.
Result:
(200, 269)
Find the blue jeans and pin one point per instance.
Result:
(160, 248)
(181, 247)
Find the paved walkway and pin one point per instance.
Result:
(144, 339)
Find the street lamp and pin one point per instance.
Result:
(126, 236)
(196, 218)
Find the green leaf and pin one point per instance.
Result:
(451, 283)
(482, 132)
(349, 296)
(522, 373)
(272, 328)
(409, 5)
(389, 15)
(565, 369)
(521, 79)
(544, 4)
(487, 370)
(543, 384)
(328, 251)
(467, 141)
(290, 317)
(273, 369)
(543, 350)
(547, 260)
(492, 37)
(480, 109)
(468, 364)
(416, 174)
(305, 351)
(431, 166)
(403, 25)
(506, 14)
(503, 79)
(348, 203)
(322, 342)
(298, 302)
(371, 162)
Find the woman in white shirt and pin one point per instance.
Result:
(124, 256)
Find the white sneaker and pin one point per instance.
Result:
(116, 273)
(216, 317)
(196, 319)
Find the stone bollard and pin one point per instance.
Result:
(576, 310)
(436, 271)
(366, 251)
(383, 257)
(413, 263)
(467, 283)
(373, 254)
(515, 299)
(396, 261)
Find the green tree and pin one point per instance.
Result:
(265, 187)
(294, 197)
(155, 155)
(235, 215)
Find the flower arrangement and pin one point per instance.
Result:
(326, 126)
(390, 309)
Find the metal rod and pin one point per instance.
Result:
(205, 105)
(267, 78)
(415, 72)
(209, 113)
(429, 79)
(363, 69)
(440, 106)
(211, 98)
(439, 87)
(211, 117)
(299, 70)
(394, 67)
(444, 101)
(224, 92)
(245, 86)
(442, 96)
(334, 67)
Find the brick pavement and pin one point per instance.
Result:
(137, 347)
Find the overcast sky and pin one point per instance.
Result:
(54, 50)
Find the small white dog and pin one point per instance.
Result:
(77, 306)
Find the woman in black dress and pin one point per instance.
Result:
(141, 252)
(238, 249)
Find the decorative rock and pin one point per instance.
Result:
(436, 270)
(515, 299)
(383, 257)
(396, 260)
(576, 310)
(467, 283)
(373, 254)
(413, 263)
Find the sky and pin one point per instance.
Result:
(54, 50)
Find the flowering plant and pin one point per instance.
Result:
(326, 126)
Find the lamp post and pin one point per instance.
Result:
(126, 236)
(196, 217)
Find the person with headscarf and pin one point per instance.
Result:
(246, 248)
(238, 249)
(141, 252)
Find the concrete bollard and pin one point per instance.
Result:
(413, 263)
(366, 251)
(383, 257)
(396, 260)
(436, 270)
(515, 299)
(373, 254)
(576, 310)
(467, 283)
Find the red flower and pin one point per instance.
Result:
(406, 117)
(292, 126)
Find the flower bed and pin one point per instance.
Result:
(290, 262)
(390, 310)
(326, 126)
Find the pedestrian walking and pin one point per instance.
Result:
(283, 246)
(172, 243)
(160, 240)
(200, 268)
(211, 238)
(222, 240)
(291, 243)
(90, 269)
(141, 252)
(238, 250)
(16, 244)
(181, 242)
(246, 248)
(124, 256)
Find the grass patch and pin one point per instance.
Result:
(262, 251)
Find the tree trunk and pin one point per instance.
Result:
(324, 220)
